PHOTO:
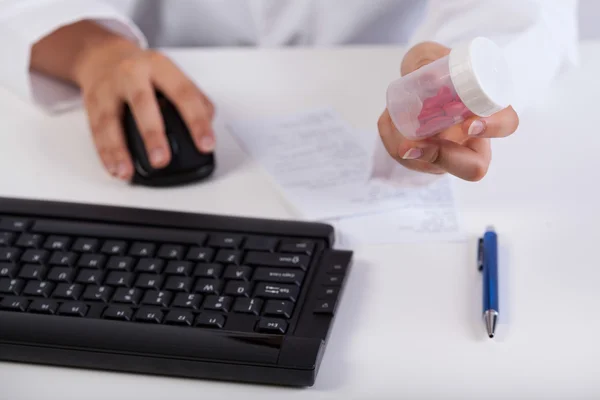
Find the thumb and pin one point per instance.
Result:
(422, 54)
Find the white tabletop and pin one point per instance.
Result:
(409, 325)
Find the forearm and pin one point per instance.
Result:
(65, 53)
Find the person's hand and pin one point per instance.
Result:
(116, 72)
(463, 150)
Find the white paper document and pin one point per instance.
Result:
(323, 167)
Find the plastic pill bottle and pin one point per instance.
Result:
(473, 80)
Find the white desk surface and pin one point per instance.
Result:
(409, 326)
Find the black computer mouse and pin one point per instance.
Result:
(187, 164)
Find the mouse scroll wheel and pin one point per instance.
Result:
(174, 145)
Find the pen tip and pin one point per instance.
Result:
(490, 228)
(491, 335)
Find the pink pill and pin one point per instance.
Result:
(430, 103)
(454, 108)
(435, 125)
(429, 113)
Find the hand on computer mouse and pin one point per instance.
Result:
(114, 71)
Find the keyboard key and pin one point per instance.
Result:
(179, 317)
(150, 265)
(247, 306)
(91, 261)
(240, 272)
(6, 238)
(35, 288)
(68, 291)
(333, 280)
(170, 252)
(61, 274)
(66, 259)
(128, 296)
(12, 303)
(9, 254)
(276, 291)
(337, 269)
(57, 243)
(324, 307)
(90, 276)
(120, 263)
(149, 281)
(8, 270)
(328, 293)
(73, 309)
(43, 306)
(208, 286)
(210, 320)
(217, 303)
(117, 278)
(179, 268)
(139, 249)
(157, 298)
(185, 300)
(229, 257)
(238, 288)
(278, 275)
(86, 245)
(225, 241)
(208, 270)
(297, 246)
(178, 284)
(260, 243)
(272, 325)
(14, 224)
(200, 254)
(11, 286)
(114, 247)
(279, 308)
(149, 314)
(34, 256)
(101, 293)
(120, 313)
(30, 240)
(276, 260)
(32, 271)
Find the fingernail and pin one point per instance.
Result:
(122, 170)
(477, 127)
(207, 143)
(112, 169)
(157, 156)
(413, 154)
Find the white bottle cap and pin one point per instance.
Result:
(481, 76)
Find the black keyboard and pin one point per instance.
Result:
(175, 294)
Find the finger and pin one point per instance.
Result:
(189, 101)
(104, 118)
(421, 55)
(469, 161)
(502, 124)
(399, 147)
(139, 94)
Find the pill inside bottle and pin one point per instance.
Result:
(473, 80)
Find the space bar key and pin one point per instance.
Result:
(277, 259)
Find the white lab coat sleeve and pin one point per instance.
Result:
(24, 22)
(539, 37)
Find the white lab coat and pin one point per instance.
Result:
(540, 36)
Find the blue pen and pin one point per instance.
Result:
(488, 264)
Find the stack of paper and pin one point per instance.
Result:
(325, 169)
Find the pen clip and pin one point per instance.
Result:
(480, 255)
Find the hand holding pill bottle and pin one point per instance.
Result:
(473, 80)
